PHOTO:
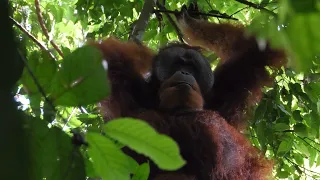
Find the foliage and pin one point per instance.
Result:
(139, 136)
(285, 125)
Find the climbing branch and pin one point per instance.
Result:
(41, 46)
(44, 29)
(140, 25)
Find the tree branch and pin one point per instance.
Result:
(200, 13)
(41, 46)
(44, 29)
(172, 22)
(239, 11)
(142, 22)
(256, 6)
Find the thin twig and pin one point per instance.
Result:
(44, 29)
(303, 139)
(83, 110)
(141, 24)
(36, 82)
(200, 13)
(38, 85)
(41, 46)
(312, 140)
(69, 118)
(256, 6)
(239, 10)
(172, 22)
(209, 4)
(301, 166)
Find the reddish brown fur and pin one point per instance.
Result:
(209, 144)
(126, 62)
(207, 137)
(241, 73)
(171, 97)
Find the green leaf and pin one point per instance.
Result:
(284, 147)
(299, 159)
(283, 174)
(283, 109)
(54, 156)
(260, 111)
(281, 127)
(141, 137)
(318, 161)
(56, 11)
(295, 88)
(315, 124)
(301, 129)
(82, 79)
(301, 147)
(90, 171)
(142, 173)
(313, 91)
(268, 28)
(88, 118)
(296, 115)
(134, 165)
(264, 3)
(48, 113)
(43, 68)
(312, 157)
(107, 159)
(260, 130)
(304, 6)
(35, 100)
(304, 34)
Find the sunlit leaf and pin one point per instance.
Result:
(284, 147)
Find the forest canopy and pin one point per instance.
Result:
(57, 107)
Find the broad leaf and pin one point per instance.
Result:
(284, 147)
(54, 155)
(142, 173)
(301, 129)
(303, 32)
(281, 127)
(82, 79)
(107, 159)
(141, 137)
(43, 69)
